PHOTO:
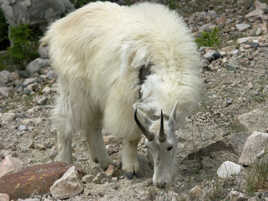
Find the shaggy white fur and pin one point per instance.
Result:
(98, 52)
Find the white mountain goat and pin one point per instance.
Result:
(131, 70)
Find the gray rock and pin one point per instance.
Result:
(29, 81)
(7, 117)
(4, 91)
(228, 169)
(67, 186)
(43, 51)
(34, 11)
(242, 27)
(207, 27)
(37, 64)
(31, 87)
(87, 178)
(255, 120)
(253, 44)
(254, 146)
(100, 178)
(51, 75)
(24, 74)
(4, 77)
(193, 138)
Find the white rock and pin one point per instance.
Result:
(242, 27)
(4, 197)
(22, 128)
(242, 40)
(254, 146)
(212, 55)
(258, 31)
(10, 164)
(46, 90)
(235, 52)
(228, 169)
(236, 196)
(42, 101)
(67, 186)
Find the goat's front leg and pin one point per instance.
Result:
(130, 162)
(97, 148)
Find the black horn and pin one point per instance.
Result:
(162, 136)
(146, 133)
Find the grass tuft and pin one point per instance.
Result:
(257, 176)
(209, 38)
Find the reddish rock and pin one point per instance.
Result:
(32, 180)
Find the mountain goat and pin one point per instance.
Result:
(131, 70)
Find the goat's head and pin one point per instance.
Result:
(162, 145)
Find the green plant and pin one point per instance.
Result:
(209, 38)
(80, 3)
(172, 4)
(4, 42)
(24, 44)
(257, 176)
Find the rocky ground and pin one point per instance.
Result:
(235, 104)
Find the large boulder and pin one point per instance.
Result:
(255, 120)
(255, 146)
(34, 12)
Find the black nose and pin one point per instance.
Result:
(161, 185)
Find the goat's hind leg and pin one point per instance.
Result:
(64, 127)
(96, 147)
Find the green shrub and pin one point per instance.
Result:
(172, 4)
(24, 44)
(4, 42)
(80, 3)
(209, 38)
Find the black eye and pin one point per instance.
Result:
(169, 148)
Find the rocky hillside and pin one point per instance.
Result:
(234, 107)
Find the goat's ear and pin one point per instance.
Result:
(133, 56)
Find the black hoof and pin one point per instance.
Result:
(130, 175)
